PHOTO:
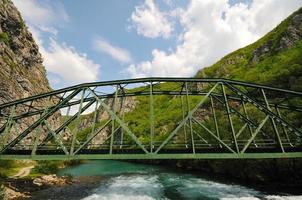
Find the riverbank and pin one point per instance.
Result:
(23, 188)
(19, 179)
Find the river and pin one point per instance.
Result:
(123, 180)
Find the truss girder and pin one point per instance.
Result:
(217, 117)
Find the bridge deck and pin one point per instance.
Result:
(179, 153)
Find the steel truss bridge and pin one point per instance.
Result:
(212, 119)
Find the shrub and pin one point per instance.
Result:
(4, 37)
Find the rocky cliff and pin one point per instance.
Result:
(22, 73)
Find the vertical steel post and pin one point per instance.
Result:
(183, 117)
(122, 131)
(95, 114)
(68, 111)
(273, 122)
(215, 119)
(67, 114)
(151, 117)
(36, 140)
(190, 118)
(229, 117)
(246, 116)
(74, 136)
(113, 121)
(8, 126)
(283, 128)
(123, 118)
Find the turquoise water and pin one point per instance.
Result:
(122, 180)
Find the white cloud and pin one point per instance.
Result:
(61, 59)
(72, 66)
(115, 52)
(150, 22)
(42, 14)
(211, 29)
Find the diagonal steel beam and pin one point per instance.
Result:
(229, 117)
(264, 109)
(66, 123)
(9, 125)
(41, 119)
(118, 120)
(283, 128)
(254, 134)
(196, 133)
(183, 122)
(241, 116)
(241, 130)
(93, 135)
(218, 139)
(273, 122)
(75, 133)
(57, 139)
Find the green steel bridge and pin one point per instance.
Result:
(212, 119)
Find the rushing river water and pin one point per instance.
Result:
(122, 181)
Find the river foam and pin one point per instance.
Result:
(269, 197)
(196, 188)
(138, 187)
(174, 186)
(124, 181)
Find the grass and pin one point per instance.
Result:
(4, 37)
(9, 168)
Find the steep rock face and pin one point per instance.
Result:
(289, 37)
(22, 73)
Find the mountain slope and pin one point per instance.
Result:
(275, 59)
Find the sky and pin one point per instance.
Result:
(86, 41)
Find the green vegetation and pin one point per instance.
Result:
(4, 37)
(50, 167)
(6, 168)
(46, 167)
(10, 167)
(277, 65)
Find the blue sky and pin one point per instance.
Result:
(118, 39)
